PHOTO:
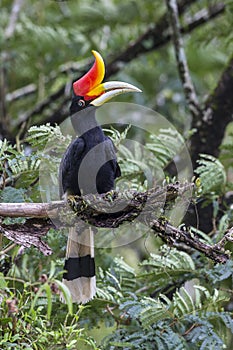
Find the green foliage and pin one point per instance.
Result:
(13, 195)
(212, 174)
(165, 146)
(170, 300)
(189, 318)
(142, 165)
(16, 166)
(38, 158)
(29, 329)
(214, 183)
(52, 41)
(226, 154)
(22, 165)
(47, 135)
(30, 315)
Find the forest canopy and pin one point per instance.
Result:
(164, 265)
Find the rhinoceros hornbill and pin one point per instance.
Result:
(89, 165)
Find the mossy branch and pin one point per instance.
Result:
(110, 210)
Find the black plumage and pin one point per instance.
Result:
(89, 165)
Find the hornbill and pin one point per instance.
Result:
(89, 165)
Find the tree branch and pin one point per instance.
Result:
(21, 93)
(8, 33)
(29, 234)
(152, 39)
(211, 120)
(27, 210)
(42, 105)
(156, 37)
(217, 114)
(189, 90)
(10, 29)
(174, 235)
(110, 210)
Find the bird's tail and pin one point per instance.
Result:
(80, 265)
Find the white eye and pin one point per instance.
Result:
(81, 103)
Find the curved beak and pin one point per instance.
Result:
(90, 86)
(110, 89)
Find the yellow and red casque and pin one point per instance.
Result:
(89, 86)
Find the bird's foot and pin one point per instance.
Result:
(110, 196)
(71, 199)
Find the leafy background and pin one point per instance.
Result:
(150, 295)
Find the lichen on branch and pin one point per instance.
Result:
(111, 210)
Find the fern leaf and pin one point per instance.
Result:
(47, 135)
(154, 310)
(219, 272)
(202, 333)
(165, 146)
(212, 174)
(183, 303)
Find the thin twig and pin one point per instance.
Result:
(6, 250)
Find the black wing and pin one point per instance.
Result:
(111, 154)
(110, 169)
(69, 168)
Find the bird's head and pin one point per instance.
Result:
(90, 90)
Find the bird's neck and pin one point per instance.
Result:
(86, 125)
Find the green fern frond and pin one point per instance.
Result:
(168, 338)
(183, 303)
(154, 310)
(45, 135)
(123, 268)
(133, 307)
(206, 328)
(212, 174)
(15, 163)
(203, 336)
(109, 286)
(24, 164)
(141, 164)
(219, 272)
(165, 146)
(210, 301)
(126, 275)
(118, 280)
(116, 136)
(18, 165)
(172, 266)
(5, 149)
(227, 150)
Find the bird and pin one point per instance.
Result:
(88, 166)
